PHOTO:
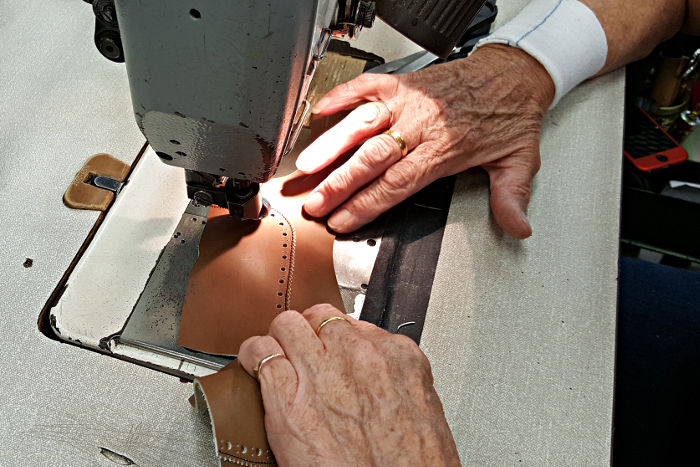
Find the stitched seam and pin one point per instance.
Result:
(292, 248)
(517, 43)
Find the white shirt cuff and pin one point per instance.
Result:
(565, 36)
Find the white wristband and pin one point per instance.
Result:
(565, 36)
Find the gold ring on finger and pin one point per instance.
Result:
(263, 361)
(396, 136)
(326, 321)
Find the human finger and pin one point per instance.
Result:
(366, 87)
(363, 122)
(365, 326)
(296, 337)
(398, 182)
(329, 323)
(510, 192)
(257, 348)
(373, 158)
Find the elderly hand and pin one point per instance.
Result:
(351, 395)
(485, 110)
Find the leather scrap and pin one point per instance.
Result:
(81, 195)
(232, 399)
(249, 272)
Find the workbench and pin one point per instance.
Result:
(520, 334)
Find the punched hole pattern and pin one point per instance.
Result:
(287, 260)
(226, 449)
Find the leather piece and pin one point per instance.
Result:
(248, 272)
(232, 399)
(80, 195)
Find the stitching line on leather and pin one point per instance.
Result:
(292, 247)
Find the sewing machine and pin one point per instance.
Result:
(219, 89)
(216, 88)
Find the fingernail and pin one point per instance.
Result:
(523, 218)
(305, 161)
(313, 203)
(320, 105)
(369, 113)
(315, 111)
(340, 220)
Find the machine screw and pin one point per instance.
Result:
(109, 44)
(104, 9)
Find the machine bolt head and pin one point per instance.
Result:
(104, 9)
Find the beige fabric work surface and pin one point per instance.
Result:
(521, 335)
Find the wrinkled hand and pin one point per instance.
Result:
(485, 110)
(353, 395)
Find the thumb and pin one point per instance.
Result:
(511, 179)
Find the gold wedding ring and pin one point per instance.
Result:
(256, 372)
(391, 112)
(396, 136)
(324, 322)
